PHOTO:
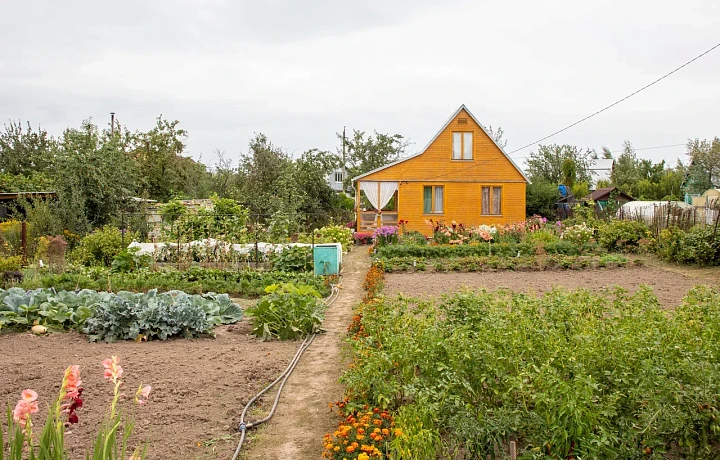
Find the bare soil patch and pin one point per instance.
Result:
(199, 386)
(669, 286)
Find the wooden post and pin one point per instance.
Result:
(358, 214)
(513, 450)
(23, 242)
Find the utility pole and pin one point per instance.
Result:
(343, 160)
(112, 124)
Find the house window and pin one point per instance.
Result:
(491, 201)
(433, 199)
(462, 146)
(339, 177)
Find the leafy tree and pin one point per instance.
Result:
(546, 165)
(95, 176)
(365, 153)
(625, 173)
(266, 178)
(704, 170)
(541, 198)
(23, 150)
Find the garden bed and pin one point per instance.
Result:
(199, 386)
(669, 287)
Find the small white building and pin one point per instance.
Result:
(335, 179)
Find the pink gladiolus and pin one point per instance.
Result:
(29, 395)
(25, 407)
(112, 370)
(143, 394)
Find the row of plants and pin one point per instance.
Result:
(491, 263)
(111, 441)
(699, 245)
(194, 280)
(560, 247)
(571, 374)
(110, 317)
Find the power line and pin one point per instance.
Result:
(637, 150)
(619, 101)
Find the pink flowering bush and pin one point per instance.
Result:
(385, 235)
(50, 445)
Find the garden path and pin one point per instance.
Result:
(303, 416)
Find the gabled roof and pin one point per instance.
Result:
(601, 193)
(447, 123)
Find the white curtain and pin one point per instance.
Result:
(378, 196)
(387, 190)
(371, 192)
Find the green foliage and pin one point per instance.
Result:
(293, 259)
(332, 234)
(172, 211)
(645, 180)
(540, 199)
(196, 280)
(624, 235)
(226, 221)
(699, 245)
(99, 247)
(557, 260)
(367, 153)
(11, 263)
(552, 163)
(449, 251)
(572, 373)
(704, 170)
(413, 238)
(420, 437)
(287, 312)
(128, 260)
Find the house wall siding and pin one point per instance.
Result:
(462, 180)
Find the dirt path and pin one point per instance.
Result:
(303, 417)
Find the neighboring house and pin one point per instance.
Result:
(601, 169)
(461, 175)
(335, 179)
(609, 195)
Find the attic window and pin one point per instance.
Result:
(462, 121)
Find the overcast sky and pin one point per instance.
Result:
(300, 70)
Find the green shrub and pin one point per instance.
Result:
(293, 259)
(332, 234)
(464, 250)
(413, 238)
(287, 312)
(699, 245)
(623, 235)
(10, 264)
(128, 260)
(99, 247)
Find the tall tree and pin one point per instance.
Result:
(24, 150)
(365, 153)
(546, 165)
(94, 176)
(704, 170)
(625, 173)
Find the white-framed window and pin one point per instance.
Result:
(462, 146)
(491, 201)
(338, 177)
(433, 199)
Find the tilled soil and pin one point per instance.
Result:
(669, 287)
(199, 386)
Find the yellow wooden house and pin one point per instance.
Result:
(461, 175)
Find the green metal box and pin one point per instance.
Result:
(327, 259)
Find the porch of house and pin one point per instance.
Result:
(372, 196)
